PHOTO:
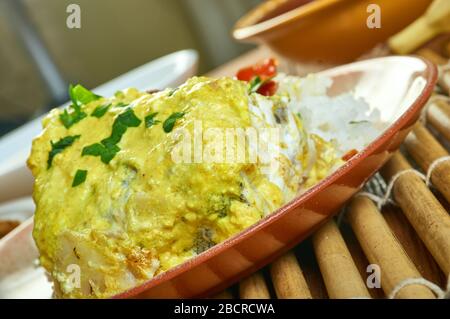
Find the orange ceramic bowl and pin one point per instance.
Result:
(325, 31)
(398, 86)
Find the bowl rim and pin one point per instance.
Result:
(430, 74)
(253, 24)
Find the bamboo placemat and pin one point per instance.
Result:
(409, 240)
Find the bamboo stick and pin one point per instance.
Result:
(444, 78)
(413, 245)
(383, 249)
(438, 115)
(339, 272)
(254, 287)
(226, 294)
(430, 220)
(443, 65)
(425, 149)
(310, 269)
(287, 278)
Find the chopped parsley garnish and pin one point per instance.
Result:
(106, 152)
(59, 146)
(254, 84)
(79, 97)
(80, 177)
(150, 120)
(169, 123)
(128, 118)
(118, 130)
(100, 110)
(107, 148)
(358, 122)
(69, 119)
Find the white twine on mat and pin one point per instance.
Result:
(440, 294)
(382, 201)
(386, 199)
(433, 166)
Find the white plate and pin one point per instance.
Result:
(168, 71)
(19, 210)
(20, 277)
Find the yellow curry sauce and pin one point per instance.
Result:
(141, 214)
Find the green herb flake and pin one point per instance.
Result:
(79, 97)
(169, 123)
(121, 123)
(150, 120)
(100, 110)
(107, 149)
(172, 92)
(121, 104)
(358, 122)
(60, 146)
(106, 152)
(128, 118)
(80, 177)
(254, 84)
(118, 131)
(69, 119)
(93, 150)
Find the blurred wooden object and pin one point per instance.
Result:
(226, 294)
(382, 249)
(425, 150)
(430, 220)
(447, 49)
(443, 66)
(335, 261)
(435, 21)
(310, 268)
(287, 278)
(6, 226)
(432, 56)
(254, 287)
(438, 115)
(413, 245)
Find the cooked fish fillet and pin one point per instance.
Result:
(113, 203)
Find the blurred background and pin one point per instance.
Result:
(115, 36)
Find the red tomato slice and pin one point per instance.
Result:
(265, 70)
(268, 89)
(246, 74)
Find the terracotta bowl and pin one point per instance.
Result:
(324, 31)
(398, 86)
